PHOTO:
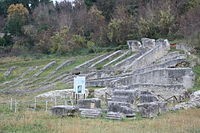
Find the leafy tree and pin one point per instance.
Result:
(156, 25)
(58, 41)
(114, 31)
(29, 4)
(89, 3)
(45, 16)
(185, 5)
(17, 17)
(107, 7)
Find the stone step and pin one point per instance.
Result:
(90, 62)
(126, 61)
(91, 113)
(126, 99)
(119, 103)
(115, 116)
(124, 108)
(123, 92)
(109, 57)
(117, 59)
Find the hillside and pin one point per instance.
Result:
(68, 27)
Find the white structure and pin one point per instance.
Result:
(79, 85)
(148, 43)
(134, 45)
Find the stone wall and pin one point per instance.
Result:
(100, 82)
(166, 64)
(158, 76)
(166, 90)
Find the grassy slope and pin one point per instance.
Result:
(196, 70)
(22, 64)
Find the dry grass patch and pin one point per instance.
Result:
(185, 121)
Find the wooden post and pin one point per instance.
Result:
(106, 98)
(55, 101)
(76, 97)
(35, 105)
(65, 102)
(46, 106)
(11, 102)
(71, 101)
(15, 106)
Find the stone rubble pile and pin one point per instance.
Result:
(194, 102)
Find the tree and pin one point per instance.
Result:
(114, 31)
(58, 41)
(107, 7)
(89, 3)
(17, 17)
(190, 26)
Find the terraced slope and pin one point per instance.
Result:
(35, 75)
(28, 75)
(148, 68)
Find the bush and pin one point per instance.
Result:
(157, 26)
(79, 41)
(2, 42)
(6, 41)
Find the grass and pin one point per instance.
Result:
(196, 87)
(23, 63)
(61, 86)
(185, 121)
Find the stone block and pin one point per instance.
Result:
(125, 95)
(148, 110)
(64, 110)
(146, 97)
(148, 43)
(89, 103)
(91, 113)
(115, 115)
(120, 107)
(162, 107)
(134, 45)
(152, 109)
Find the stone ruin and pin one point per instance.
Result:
(134, 45)
(89, 108)
(141, 79)
(64, 110)
(143, 83)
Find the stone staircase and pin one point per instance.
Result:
(107, 58)
(121, 103)
(118, 58)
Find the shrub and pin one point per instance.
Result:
(17, 17)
